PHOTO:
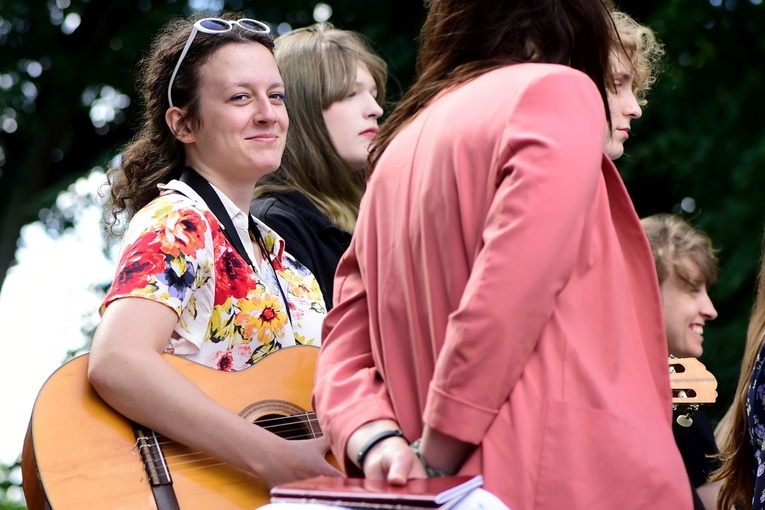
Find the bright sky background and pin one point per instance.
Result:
(46, 300)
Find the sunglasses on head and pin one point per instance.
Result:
(214, 26)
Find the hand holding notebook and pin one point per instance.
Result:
(364, 493)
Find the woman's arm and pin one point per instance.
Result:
(128, 371)
(350, 399)
(548, 168)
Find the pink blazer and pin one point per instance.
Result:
(499, 287)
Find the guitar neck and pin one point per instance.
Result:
(692, 384)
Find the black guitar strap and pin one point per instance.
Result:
(213, 201)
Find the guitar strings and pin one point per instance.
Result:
(194, 459)
(290, 433)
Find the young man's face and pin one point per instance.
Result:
(686, 309)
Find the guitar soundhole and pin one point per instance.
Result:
(287, 427)
(284, 419)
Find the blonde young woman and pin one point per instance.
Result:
(335, 89)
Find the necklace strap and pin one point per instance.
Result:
(205, 190)
(213, 201)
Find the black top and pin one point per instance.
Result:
(308, 234)
(695, 444)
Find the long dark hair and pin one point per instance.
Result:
(462, 39)
(154, 155)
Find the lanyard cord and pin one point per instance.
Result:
(207, 193)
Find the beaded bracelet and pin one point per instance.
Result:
(372, 442)
(430, 470)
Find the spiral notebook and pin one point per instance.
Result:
(363, 493)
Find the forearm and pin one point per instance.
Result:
(443, 452)
(349, 397)
(149, 390)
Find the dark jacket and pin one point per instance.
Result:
(308, 234)
(698, 447)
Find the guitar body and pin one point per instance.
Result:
(81, 454)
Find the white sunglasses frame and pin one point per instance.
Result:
(199, 27)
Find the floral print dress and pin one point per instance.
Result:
(229, 315)
(755, 417)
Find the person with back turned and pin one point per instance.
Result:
(498, 301)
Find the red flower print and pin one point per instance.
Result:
(268, 315)
(180, 230)
(233, 277)
(226, 362)
(139, 265)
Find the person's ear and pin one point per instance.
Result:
(178, 123)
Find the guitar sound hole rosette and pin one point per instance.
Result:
(283, 418)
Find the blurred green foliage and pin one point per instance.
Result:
(702, 138)
(67, 105)
(10, 488)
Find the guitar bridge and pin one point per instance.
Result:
(148, 444)
(150, 448)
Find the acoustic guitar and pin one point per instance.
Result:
(692, 386)
(79, 453)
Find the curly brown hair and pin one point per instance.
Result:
(154, 155)
(643, 50)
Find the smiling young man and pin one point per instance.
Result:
(686, 265)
